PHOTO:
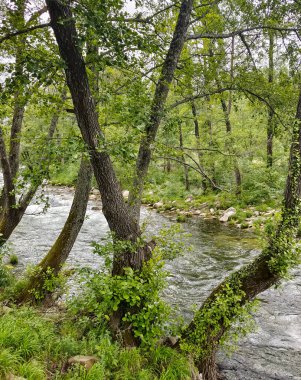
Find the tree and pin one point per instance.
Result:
(210, 324)
(19, 88)
(123, 222)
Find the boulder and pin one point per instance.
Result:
(125, 194)
(11, 376)
(85, 361)
(226, 215)
(158, 204)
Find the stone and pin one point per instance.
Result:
(96, 208)
(270, 213)
(11, 376)
(226, 215)
(189, 199)
(125, 194)
(6, 309)
(212, 211)
(85, 361)
(158, 204)
(196, 212)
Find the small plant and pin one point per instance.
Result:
(13, 259)
(181, 218)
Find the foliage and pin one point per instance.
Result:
(140, 291)
(36, 346)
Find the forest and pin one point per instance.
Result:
(187, 111)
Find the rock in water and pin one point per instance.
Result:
(226, 215)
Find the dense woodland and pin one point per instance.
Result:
(184, 104)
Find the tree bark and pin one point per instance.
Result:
(157, 108)
(114, 208)
(59, 252)
(265, 271)
(12, 210)
(123, 223)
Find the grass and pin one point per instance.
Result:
(36, 346)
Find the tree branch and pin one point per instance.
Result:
(23, 31)
(240, 31)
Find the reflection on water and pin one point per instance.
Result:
(273, 352)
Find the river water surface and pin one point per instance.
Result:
(272, 352)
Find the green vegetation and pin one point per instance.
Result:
(189, 107)
(37, 346)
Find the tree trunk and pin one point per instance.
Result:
(185, 168)
(157, 108)
(122, 219)
(198, 141)
(210, 324)
(270, 126)
(58, 253)
(114, 208)
(11, 210)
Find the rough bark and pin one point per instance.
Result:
(157, 108)
(265, 271)
(114, 208)
(15, 137)
(123, 223)
(58, 253)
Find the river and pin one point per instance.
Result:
(273, 351)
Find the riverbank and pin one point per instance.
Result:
(217, 251)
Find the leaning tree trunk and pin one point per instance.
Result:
(225, 303)
(12, 211)
(121, 222)
(157, 108)
(58, 253)
(122, 219)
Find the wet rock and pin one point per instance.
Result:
(270, 213)
(85, 361)
(125, 194)
(226, 215)
(5, 309)
(96, 208)
(158, 204)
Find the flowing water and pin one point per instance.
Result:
(272, 352)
